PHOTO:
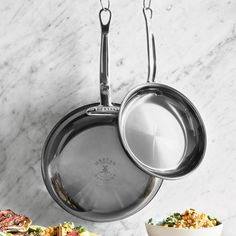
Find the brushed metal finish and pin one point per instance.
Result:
(162, 131)
(87, 171)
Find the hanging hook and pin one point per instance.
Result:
(105, 7)
(147, 4)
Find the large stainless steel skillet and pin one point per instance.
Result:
(84, 166)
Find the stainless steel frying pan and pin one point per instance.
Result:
(159, 127)
(84, 165)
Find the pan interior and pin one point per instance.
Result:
(160, 131)
(89, 172)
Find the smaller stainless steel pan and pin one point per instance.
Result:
(159, 127)
(84, 165)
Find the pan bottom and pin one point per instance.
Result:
(162, 131)
(96, 173)
(153, 133)
(88, 173)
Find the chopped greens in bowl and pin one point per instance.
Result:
(188, 219)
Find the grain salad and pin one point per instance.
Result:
(188, 219)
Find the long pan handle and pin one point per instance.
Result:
(104, 58)
(151, 50)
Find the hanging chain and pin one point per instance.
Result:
(106, 6)
(147, 4)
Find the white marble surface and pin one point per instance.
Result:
(49, 65)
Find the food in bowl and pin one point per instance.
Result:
(65, 229)
(188, 219)
(188, 223)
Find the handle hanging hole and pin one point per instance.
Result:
(105, 16)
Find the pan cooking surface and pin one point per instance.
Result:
(88, 173)
(153, 132)
(162, 131)
(96, 174)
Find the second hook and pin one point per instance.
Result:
(147, 4)
(105, 6)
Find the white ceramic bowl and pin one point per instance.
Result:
(157, 230)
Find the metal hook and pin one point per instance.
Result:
(148, 12)
(145, 5)
(107, 6)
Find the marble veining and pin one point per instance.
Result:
(49, 65)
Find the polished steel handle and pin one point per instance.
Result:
(151, 50)
(105, 18)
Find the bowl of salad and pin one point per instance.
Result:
(65, 229)
(188, 223)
